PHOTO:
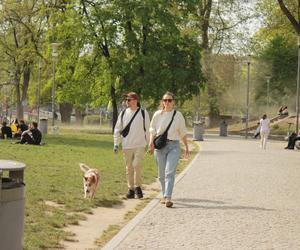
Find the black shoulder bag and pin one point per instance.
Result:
(125, 131)
(161, 140)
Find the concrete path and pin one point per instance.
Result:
(234, 195)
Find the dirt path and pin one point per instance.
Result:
(90, 229)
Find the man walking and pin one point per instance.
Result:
(133, 127)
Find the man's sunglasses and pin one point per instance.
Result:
(167, 100)
(128, 100)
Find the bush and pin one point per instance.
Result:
(92, 119)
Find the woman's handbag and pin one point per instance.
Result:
(161, 140)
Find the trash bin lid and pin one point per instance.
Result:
(11, 165)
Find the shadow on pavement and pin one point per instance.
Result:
(197, 203)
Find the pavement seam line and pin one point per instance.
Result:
(121, 235)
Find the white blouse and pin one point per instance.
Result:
(161, 120)
(264, 125)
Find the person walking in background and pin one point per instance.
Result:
(167, 157)
(264, 130)
(257, 131)
(133, 126)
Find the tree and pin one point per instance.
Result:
(217, 23)
(275, 46)
(141, 44)
(291, 13)
(20, 36)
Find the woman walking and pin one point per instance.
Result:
(167, 157)
(264, 130)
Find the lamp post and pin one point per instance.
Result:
(247, 96)
(298, 82)
(268, 93)
(54, 57)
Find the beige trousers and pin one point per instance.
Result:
(133, 159)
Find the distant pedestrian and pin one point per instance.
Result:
(264, 130)
(167, 157)
(257, 131)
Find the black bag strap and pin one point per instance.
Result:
(143, 114)
(129, 123)
(166, 131)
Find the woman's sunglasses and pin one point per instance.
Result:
(168, 100)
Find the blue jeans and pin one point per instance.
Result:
(166, 160)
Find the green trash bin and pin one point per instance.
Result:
(43, 126)
(198, 130)
(12, 203)
(223, 128)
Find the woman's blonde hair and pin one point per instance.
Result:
(161, 106)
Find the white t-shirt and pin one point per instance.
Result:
(161, 120)
(136, 137)
(264, 124)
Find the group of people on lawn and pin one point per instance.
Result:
(25, 134)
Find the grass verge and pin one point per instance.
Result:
(53, 193)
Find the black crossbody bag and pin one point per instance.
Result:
(161, 140)
(125, 131)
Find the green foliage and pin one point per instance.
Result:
(276, 47)
(282, 55)
(92, 119)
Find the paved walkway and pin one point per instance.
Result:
(232, 196)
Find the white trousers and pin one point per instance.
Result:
(264, 138)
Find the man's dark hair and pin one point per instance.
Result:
(35, 124)
(4, 124)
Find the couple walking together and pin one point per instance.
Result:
(136, 130)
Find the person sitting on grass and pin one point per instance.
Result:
(22, 127)
(31, 136)
(284, 112)
(5, 131)
(292, 140)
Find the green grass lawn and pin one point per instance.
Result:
(53, 174)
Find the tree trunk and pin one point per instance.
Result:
(114, 106)
(26, 80)
(16, 82)
(213, 105)
(79, 114)
(65, 110)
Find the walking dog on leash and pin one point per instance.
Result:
(91, 179)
